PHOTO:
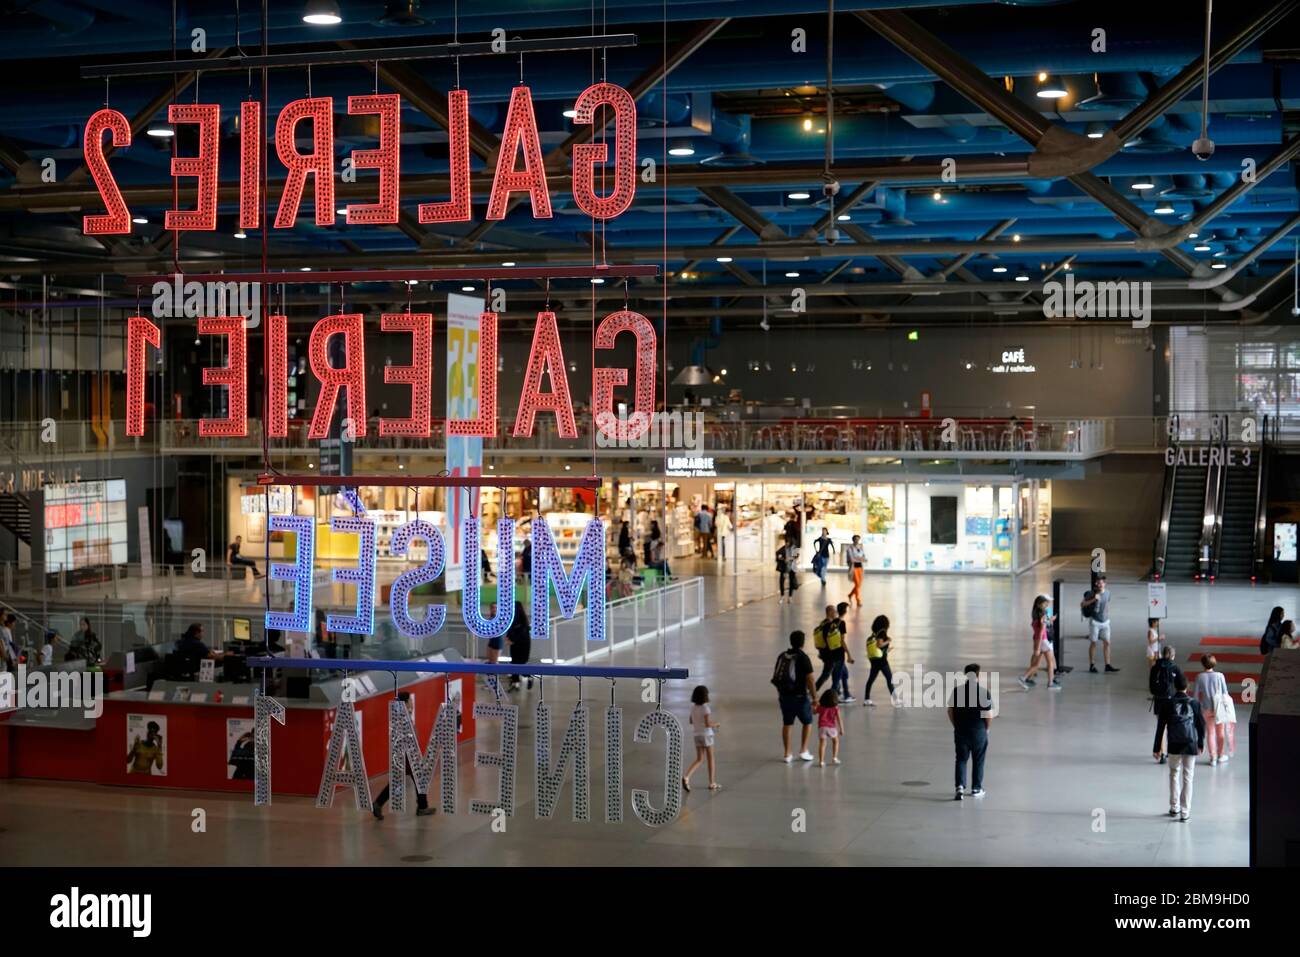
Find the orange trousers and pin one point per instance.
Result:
(856, 594)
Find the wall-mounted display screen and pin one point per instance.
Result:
(1284, 541)
(85, 525)
(943, 519)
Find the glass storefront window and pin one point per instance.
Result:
(886, 528)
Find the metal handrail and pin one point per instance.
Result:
(1161, 544)
(1258, 555)
(1216, 485)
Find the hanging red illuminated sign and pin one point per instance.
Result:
(520, 136)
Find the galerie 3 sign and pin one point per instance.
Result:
(520, 135)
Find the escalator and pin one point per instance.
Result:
(1236, 544)
(1186, 517)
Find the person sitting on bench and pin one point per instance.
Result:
(236, 559)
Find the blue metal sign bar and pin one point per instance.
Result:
(468, 668)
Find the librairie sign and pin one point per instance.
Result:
(520, 135)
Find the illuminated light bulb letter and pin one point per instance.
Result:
(416, 375)
(139, 332)
(345, 740)
(117, 219)
(587, 155)
(203, 166)
(505, 760)
(485, 424)
(399, 599)
(456, 209)
(638, 422)
(250, 164)
(575, 749)
(386, 159)
(304, 529)
(546, 356)
(233, 375)
(265, 709)
(277, 347)
(521, 129)
(469, 549)
(649, 815)
(588, 567)
(363, 576)
(351, 375)
(319, 161)
(404, 748)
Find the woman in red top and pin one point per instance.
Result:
(1042, 620)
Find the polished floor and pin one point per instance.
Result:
(1070, 776)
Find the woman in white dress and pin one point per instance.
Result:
(1219, 711)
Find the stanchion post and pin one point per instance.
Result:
(1058, 646)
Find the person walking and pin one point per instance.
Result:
(658, 552)
(878, 657)
(1211, 693)
(787, 560)
(846, 697)
(625, 549)
(1181, 716)
(702, 725)
(830, 727)
(1096, 608)
(822, 546)
(856, 557)
(826, 631)
(422, 808)
(1272, 637)
(793, 678)
(1040, 628)
(722, 528)
(520, 640)
(1162, 683)
(829, 638)
(970, 712)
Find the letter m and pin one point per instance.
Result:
(115, 910)
(1112, 300)
(223, 298)
(404, 748)
(588, 569)
(65, 689)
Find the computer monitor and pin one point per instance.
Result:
(241, 629)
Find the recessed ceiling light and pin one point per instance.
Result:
(571, 114)
(1192, 235)
(724, 259)
(1164, 209)
(1022, 277)
(1141, 184)
(304, 269)
(412, 282)
(161, 132)
(1095, 130)
(1050, 87)
(937, 196)
(681, 147)
(807, 124)
(466, 288)
(322, 13)
(1201, 248)
(139, 220)
(1218, 265)
(999, 268)
(341, 211)
(800, 195)
(596, 280)
(241, 235)
(792, 275)
(1015, 238)
(507, 264)
(844, 217)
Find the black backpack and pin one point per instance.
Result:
(785, 676)
(1162, 679)
(1089, 611)
(1182, 725)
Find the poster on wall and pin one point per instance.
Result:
(85, 525)
(464, 454)
(1284, 541)
(145, 735)
(239, 749)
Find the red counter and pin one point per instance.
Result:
(196, 745)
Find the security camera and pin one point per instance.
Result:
(1203, 148)
(764, 325)
(830, 186)
(832, 235)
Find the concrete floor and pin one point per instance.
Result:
(1070, 776)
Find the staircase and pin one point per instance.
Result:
(16, 515)
(1186, 518)
(1237, 544)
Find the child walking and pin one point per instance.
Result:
(1042, 620)
(1154, 642)
(830, 726)
(702, 725)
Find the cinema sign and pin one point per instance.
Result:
(520, 135)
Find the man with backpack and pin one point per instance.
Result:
(832, 648)
(1181, 715)
(793, 678)
(1161, 684)
(1096, 608)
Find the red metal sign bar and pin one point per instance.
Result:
(403, 275)
(433, 481)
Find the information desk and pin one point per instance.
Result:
(179, 736)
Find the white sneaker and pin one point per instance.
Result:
(807, 756)
(1183, 816)
(836, 761)
(1223, 760)
(787, 759)
(821, 764)
(1213, 761)
(849, 700)
(869, 703)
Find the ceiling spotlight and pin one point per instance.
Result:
(507, 264)
(999, 269)
(724, 259)
(596, 280)
(139, 220)
(844, 217)
(198, 341)
(400, 466)
(311, 465)
(1143, 182)
(681, 147)
(341, 211)
(571, 114)
(1022, 276)
(807, 123)
(161, 132)
(1015, 238)
(792, 275)
(241, 235)
(722, 372)
(466, 288)
(304, 269)
(1095, 130)
(1065, 266)
(937, 196)
(1218, 265)
(412, 282)
(1050, 87)
(1201, 248)
(799, 195)
(567, 467)
(322, 13)
(1164, 209)
(1192, 235)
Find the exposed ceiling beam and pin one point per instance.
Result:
(743, 213)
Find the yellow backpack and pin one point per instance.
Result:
(827, 637)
